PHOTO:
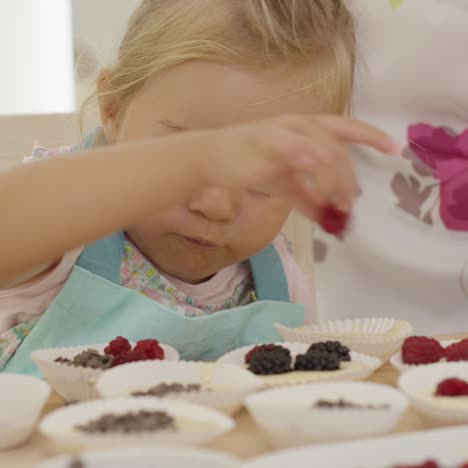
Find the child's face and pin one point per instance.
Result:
(216, 227)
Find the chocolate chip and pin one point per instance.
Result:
(89, 358)
(142, 421)
(164, 389)
(341, 403)
(63, 360)
(77, 463)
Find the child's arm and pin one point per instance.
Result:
(50, 207)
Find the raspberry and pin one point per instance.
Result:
(421, 350)
(317, 360)
(452, 387)
(333, 220)
(117, 346)
(332, 347)
(150, 348)
(264, 347)
(428, 464)
(133, 356)
(457, 351)
(267, 362)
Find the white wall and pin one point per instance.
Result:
(36, 49)
(101, 24)
(36, 57)
(98, 28)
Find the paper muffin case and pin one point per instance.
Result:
(22, 400)
(76, 383)
(360, 367)
(377, 337)
(288, 417)
(145, 457)
(397, 362)
(202, 424)
(228, 385)
(420, 383)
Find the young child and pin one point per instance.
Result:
(187, 184)
(406, 255)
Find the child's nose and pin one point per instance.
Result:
(215, 204)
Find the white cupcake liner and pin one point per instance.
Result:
(22, 399)
(226, 385)
(420, 383)
(144, 457)
(374, 336)
(206, 424)
(360, 367)
(76, 383)
(397, 362)
(288, 418)
(355, 327)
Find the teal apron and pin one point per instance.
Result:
(93, 307)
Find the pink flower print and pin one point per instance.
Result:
(458, 206)
(446, 154)
(409, 193)
(320, 250)
(418, 166)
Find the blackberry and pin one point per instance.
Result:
(332, 347)
(270, 361)
(264, 347)
(317, 360)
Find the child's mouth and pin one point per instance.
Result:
(199, 242)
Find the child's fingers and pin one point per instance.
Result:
(347, 129)
(306, 198)
(336, 185)
(330, 167)
(355, 131)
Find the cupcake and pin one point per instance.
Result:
(138, 456)
(133, 421)
(439, 392)
(292, 363)
(422, 350)
(220, 386)
(324, 412)
(73, 371)
(23, 398)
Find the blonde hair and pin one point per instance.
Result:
(165, 33)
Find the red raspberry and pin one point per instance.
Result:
(421, 350)
(264, 347)
(452, 387)
(333, 220)
(457, 351)
(129, 356)
(428, 464)
(117, 346)
(150, 348)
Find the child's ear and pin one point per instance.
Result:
(110, 106)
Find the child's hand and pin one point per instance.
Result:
(306, 158)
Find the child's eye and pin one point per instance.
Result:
(257, 194)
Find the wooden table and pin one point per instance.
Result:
(245, 441)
